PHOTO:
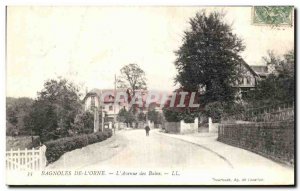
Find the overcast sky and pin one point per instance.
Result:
(90, 44)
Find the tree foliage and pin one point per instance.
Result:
(173, 115)
(54, 110)
(214, 110)
(17, 111)
(155, 116)
(279, 86)
(208, 57)
(127, 117)
(141, 116)
(133, 77)
(83, 123)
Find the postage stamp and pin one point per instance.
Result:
(149, 95)
(273, 15)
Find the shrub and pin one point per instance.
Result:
(83, 123)
(176, 115)
(171, 115)
(100, 136)
(155, 116)
(56, 148)
(107, 134)
(214, 110)
(92, 139)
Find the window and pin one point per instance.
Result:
(110, 108)
(248, 80)
(93, 101)
(244, 81)
(240, 81)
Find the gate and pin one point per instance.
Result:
(27, 160)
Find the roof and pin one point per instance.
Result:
(261, 70)
(110, 93)
(249, 67)
(99, 92)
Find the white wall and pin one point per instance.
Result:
(212, 127)
(189, 127)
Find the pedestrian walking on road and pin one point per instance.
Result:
(147, 128)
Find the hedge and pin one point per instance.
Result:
(56, 148)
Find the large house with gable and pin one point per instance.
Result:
(250, 75)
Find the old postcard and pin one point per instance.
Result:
(150, 95)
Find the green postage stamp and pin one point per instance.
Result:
(273, 15)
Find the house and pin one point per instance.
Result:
(251, 75)
(105, 101)
(111, 108)
(92, 101)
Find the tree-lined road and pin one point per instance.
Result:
(132, 150)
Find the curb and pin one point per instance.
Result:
(199, 145)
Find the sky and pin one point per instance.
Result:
(89, 45)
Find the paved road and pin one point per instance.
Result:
(131, 151)
(159, 151)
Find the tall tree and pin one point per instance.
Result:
(208, 58)
(132, 77)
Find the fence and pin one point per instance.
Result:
(268, 131)
(27, 160)
(279, 112)
(273, 140)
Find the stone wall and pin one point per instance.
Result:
(172, 127)
(274, 140)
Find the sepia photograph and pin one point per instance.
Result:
(150, 95)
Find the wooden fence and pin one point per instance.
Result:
(27, 160)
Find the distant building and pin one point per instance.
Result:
(111, 108)
(248, 77)
(251, 75)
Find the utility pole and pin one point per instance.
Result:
(102, 116)
(114, 104)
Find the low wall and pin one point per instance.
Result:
(172, 127)
(212, 127)
(150, 124)
(273, 140)
(121, 125)
(186, 128)
(181, 127)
